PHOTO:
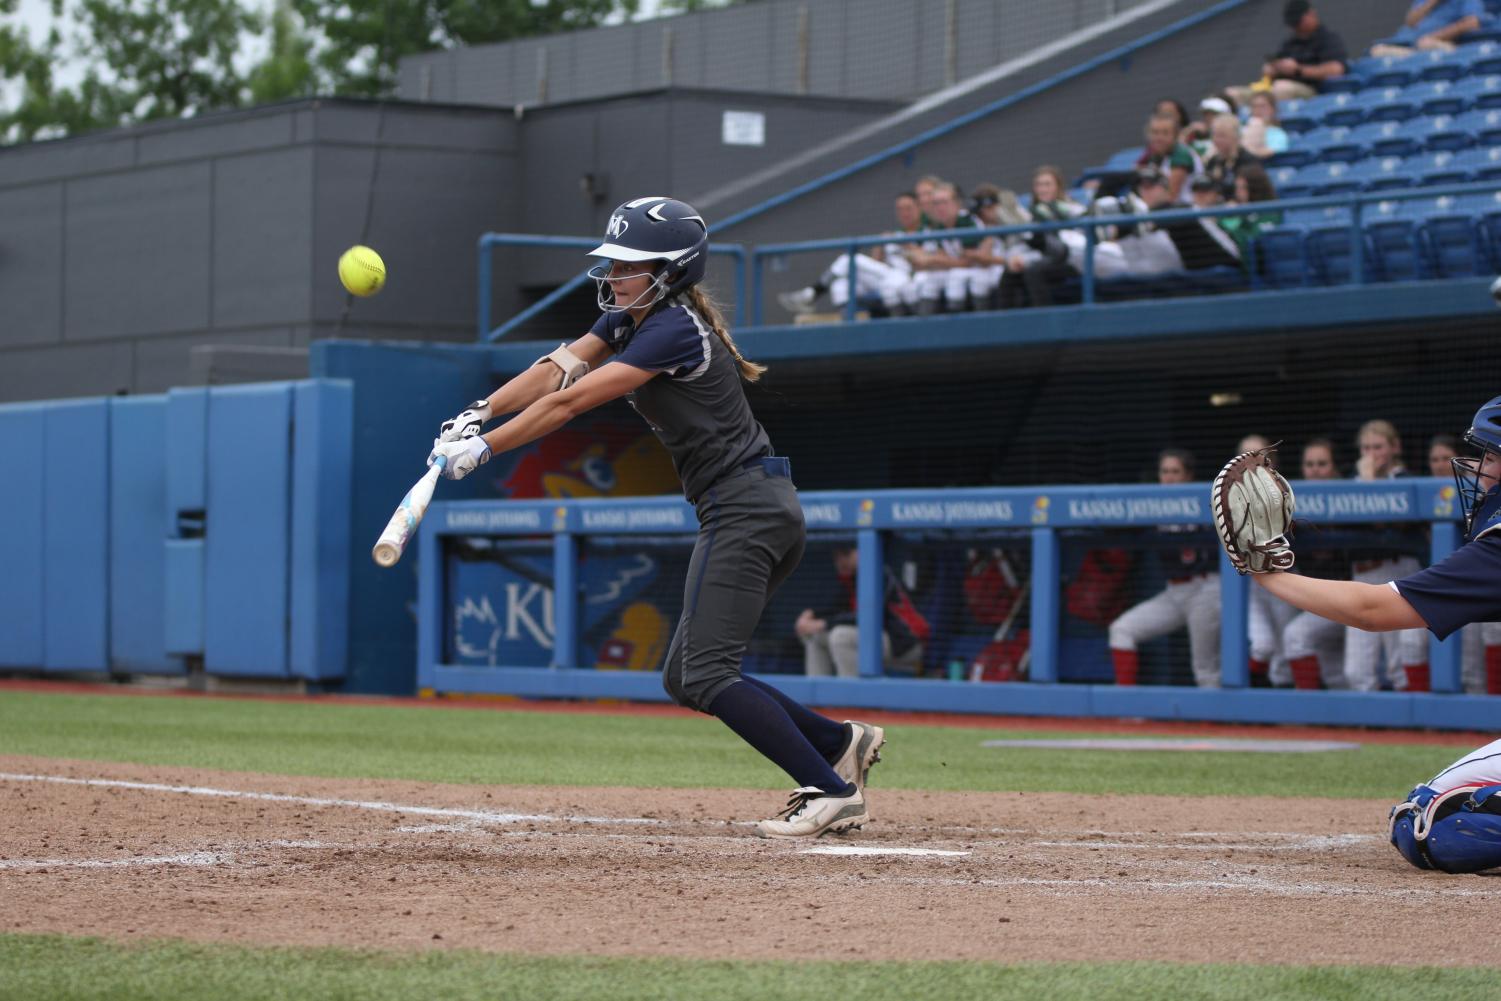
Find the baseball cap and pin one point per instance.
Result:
(1293, 12)
(1216, 104)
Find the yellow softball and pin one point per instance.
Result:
(362, 271)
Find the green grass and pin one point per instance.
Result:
(487, 746)
(58, 968)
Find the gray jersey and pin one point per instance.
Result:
(696, 403)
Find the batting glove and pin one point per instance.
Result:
(467, 424)
(464, 456)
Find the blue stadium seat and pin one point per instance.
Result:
(1441, 167)
(1283, 257)
(1484, 124)
(1386, 71)
(1397, 252)
(1488, 233)
(1439, 97)
(1436, 65)
(1336, 143)
(1476, 206)
(1340, 109)
(1331, 178)
(1380, 172)
(1483, 163)
(1454, 246)
(1389, 138)
(1282, 178)
(1480, 91)
(1347, 84)
(1330, 254)
(1389, 104)
(1310, 218)
(1480, 58)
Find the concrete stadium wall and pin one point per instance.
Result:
(121, 252)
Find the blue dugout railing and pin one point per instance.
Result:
(1355, 202)
(1121, 54)
(488, 241)
(1041, 511)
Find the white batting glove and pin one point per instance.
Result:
(467, 424)
(464, 456)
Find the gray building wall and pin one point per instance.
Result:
(122, 252)
(884, 49)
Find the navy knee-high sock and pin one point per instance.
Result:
(826, 736)
(760, 721)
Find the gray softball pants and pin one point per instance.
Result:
(750, 538)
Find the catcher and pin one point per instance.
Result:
(1452, 822)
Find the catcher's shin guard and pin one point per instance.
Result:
(1305, 672)
(1456, 831)
(1127, 665)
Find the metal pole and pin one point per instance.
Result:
(484, 288)
(870, 580)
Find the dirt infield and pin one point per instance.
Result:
(128, 852)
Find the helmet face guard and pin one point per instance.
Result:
(604, 295)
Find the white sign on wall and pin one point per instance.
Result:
(743, 128)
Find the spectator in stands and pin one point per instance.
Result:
(925, 187)
(881, 273)
(1201, 243)
(1313, 647)
(1379, 562)
(1032, 273)
(1433, 24)
(944, 277)
(993, 206)
(1177, 162)
(1175, 108)
(1442, 448)
(1309, 56)
(1228, 156)
(1191, 598)
(1261, 134)
(831, 637)
(1252, 184)
(1133, 248)
(1196, 136)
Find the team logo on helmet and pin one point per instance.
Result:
(618, 225)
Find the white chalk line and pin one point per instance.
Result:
(877, 850)
(480, 816)
(185, 858)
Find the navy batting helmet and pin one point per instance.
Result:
(1484, 434)
(659, 230)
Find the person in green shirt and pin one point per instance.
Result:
(1251, 185)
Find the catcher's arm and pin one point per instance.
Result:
(1373, 607)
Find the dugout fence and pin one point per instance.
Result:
(578, 599)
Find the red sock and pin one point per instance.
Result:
(1259, 667)
(1126, 664)
(1493, 670)
(1417, 678)
(1305, 672)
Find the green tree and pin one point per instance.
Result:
(365, 39)
(287, 71)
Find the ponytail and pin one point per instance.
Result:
(704, 306)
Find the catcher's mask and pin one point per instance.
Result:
(1485, 435)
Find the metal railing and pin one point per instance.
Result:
(488, 241)
(1354, 201)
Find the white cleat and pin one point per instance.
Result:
(798, 301)
(862, 751)
(811, 814)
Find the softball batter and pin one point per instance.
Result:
(676, 363)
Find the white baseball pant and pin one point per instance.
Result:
(1310, 635)
(1194, 603)
(1365, 652)
(1476, 637)
(836, 651)
(1266, 619)
(952, 284)
(872, 278)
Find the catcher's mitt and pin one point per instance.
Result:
(1253, 507)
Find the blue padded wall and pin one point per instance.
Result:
(138, 524)
(21, 613)
(75, 537)
(248, 500)
(187, 416)
(323, 414)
